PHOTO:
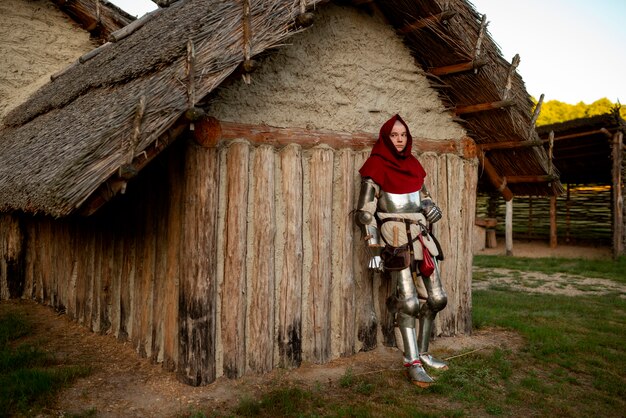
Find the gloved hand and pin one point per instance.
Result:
(376, 263)
(431, 211)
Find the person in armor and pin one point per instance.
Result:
(396, 213)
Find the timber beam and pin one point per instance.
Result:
(510, 145)
(481, 107)
(457, 68)
(209, 132)
(499, 182)
(580, 134)
(422, 23)
(544, 178)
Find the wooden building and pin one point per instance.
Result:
(188, 186)
(589, 152)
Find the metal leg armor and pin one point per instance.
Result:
(407, 308)
(437, 300)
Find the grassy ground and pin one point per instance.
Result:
(29, 377)
(573, 362)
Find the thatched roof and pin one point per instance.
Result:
(583, 147)
(76, 132)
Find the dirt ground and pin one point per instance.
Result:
(122, 384)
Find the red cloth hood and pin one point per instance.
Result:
(393, 171)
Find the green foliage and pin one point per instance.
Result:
(554, 111)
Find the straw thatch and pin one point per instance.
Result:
(77, 131)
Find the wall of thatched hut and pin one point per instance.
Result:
(236, 253)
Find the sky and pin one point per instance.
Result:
(570, 50)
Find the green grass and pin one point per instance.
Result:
(29, 377)
(572, 362)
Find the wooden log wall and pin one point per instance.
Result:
(238, 258)
(115, 272)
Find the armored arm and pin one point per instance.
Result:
(431, 211)
(364, 217)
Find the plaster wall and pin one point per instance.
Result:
(36, 41)
(348, 72)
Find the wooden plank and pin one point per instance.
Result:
(128, 237)
(210, 131)
(234, 284)
(289, 240)
(457, 68)
(317, 257)
(96, 290)
(260, 334)
(139, 290)
(343, 290)
(106, 269)
(148, 277)
(161, 245)
(29, 259)
(173, 255)
(482, 107)
(509, 145)
(198, 287)
(367, 321)
(117, 263)
(495, 178)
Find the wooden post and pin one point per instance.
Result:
(553, 240)
(568, 206)
(261, 232)
(618, 198)
(234, 285)
(11, 257)
(317, 296)
(198, 288)
(343, 292)
(289, 239)
(509, 227)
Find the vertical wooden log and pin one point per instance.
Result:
(162, 242)
(173, 255)
(96, 309)
(127, 276)
(12, 261)
(116, 267)
(367, 321)
(106, 269)
(44, 260)
(29, 259)
(618, 197)
(509, 227)
(464, 272)
(73, 259)
(317, 256)
(142, 217)
(234, 285)
(260, 334)
(198, 290)
(343, 289)
(568, 219)
(553, 230)
(289, 260)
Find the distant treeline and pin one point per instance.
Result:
(554, 111)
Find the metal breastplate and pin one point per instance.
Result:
(399, 203)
